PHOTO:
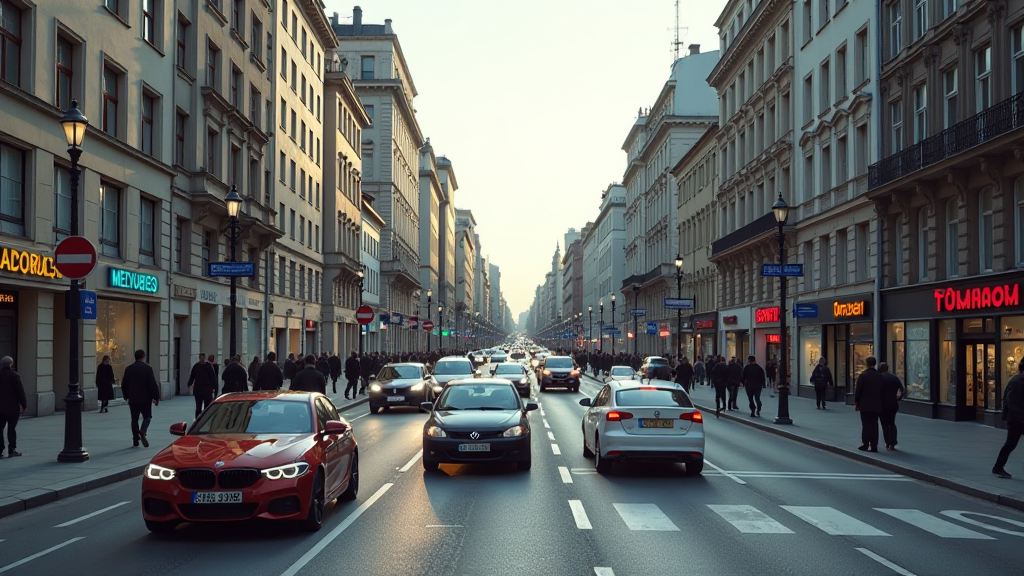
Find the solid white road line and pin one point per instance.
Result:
(929, 523)
(358, 417)
(546, 425)
(580, 515)
(749, 520)
(603, 572)
(645, 517)
(10, 567)
(551, 436)
(444, 525)
(562, 470)
(832, 521)
(87, 516)
(897, 569)
(412, 462)
(556, 449)
(724, 473)
(812, 474)
(333, 534)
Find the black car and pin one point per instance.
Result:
(401, 384)
(516, 373)
(558, 372)
(481, 420)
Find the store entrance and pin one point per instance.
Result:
(980, 377)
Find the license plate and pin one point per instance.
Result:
(474, 447)
(216, 497)
(653, 423)
(396, 398)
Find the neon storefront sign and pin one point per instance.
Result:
(762, 315)
(953, 300)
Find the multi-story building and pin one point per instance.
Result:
(465, 266)
(344, 237)
(837, 109)
(390, 159)
(369, 258)
(753, 78)
(949, 189)
(482, 290)
(588, 251)
(681, 114)
(429, 236)
(610, 254)
(696, 180)
(572, 283)
(496, 309)
(446, 275)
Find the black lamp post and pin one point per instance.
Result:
(590, 333)
(430, 295)
(74, 124)
(679, 311)
(781, 210)
(636, 319)
(614, 323)
(440, 331)
(600, 337)
(361, 276)
(233, 202)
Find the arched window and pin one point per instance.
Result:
(985, 229)
(922, 243)
(952, 237)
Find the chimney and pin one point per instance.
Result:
(694, 49)
(387, 26)
(334, 19)
(357, 21)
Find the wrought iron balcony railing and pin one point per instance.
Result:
(748, 232)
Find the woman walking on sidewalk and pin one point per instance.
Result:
(1013, 415)
(821, 378)
(104, 383)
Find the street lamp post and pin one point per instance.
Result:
(614, 323)
(781, 210)
(362, 328)
(679, 295)
(636, 306)
(600, 336)
(233, 202)
(74, 124)
(430, 294)
(440, 331)
(590, 333)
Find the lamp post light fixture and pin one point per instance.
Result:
(590, 333)
(781, 211)
(430, 295)
(440, 323)
(600, 336)
(614, 323)
(636, 319)
(74, 124)
(362, 328)
(679, 311)
(234, 203)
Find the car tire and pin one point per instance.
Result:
(161, 527)
(352, 491)
(317, 505)
(525, 465)
(694, 467)
(374, 409)
(587, 452)
(602, 465)
(430, 465)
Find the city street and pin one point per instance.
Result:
(760, 497)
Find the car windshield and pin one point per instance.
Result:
(508, 369)
(558, 363)
(657, 362)
(482, 397)
(621, 371)
(650, 396)
(399, 372)
(453, 367)
(255, 417)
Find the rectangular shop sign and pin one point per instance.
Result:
(663, 329)
(88, 305)
(805, 310)
(679, 303)
(652, 327)
(129, 280)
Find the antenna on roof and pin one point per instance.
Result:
(679, 30)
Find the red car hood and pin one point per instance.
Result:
(234, 450)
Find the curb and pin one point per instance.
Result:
(41, 496)
(989, 496)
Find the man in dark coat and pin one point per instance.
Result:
(1013, 415)
(270, 376)
(212, 361)
(335, 364)
(735, 376)
(139, 387)
(892, 393)
(104, 383)
(202, 382)
(12, 405)
(367, 368)
(720, 380)
(309, 379)
(290, 367)
(753, 378)
(235, 378)
(868, 398)
(352, 371)
(323, 366)
(821, 378)
(684, 374)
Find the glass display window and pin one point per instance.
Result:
(810, 351)
(947, 362)
(979, 326)
(121, 329)
(896, 336)
(918, 354)
(1012, 328)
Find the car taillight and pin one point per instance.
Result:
(615, 416)
(648, 388)
(692, 417)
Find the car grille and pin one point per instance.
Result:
(157, 507)
(196, 479)
(239, 511)
(237, 478)
(556, 376)
(492, 455)
(483, 436)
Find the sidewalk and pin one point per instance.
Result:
(37, 478)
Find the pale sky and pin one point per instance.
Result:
(531, 100)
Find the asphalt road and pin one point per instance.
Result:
(764, 505)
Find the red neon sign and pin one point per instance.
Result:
(704, 324)
(773, 338)
(762, 315)
(951, 300)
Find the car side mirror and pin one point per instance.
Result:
(179, 428)
(426, 405)
(531, 406)
(584, 401)
(336, 427)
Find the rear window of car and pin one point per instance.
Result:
(657, 362)
(453, 367)
(558, 363)
(508, 369)
(622, 371)
(652, 397)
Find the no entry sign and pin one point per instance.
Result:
(364, 315)
(428, 325)
(75, 257)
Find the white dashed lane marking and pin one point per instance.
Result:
(749, 520)
(645, 517)
(562, 471)
(832, 521)
(580, 515)
(556, 450)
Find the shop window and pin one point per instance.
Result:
(918, 353)
(121, 329)
(896, 336)
(810, 351)
(110, 225)
(947, 361)
(1013, 351)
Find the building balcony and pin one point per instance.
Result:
(758, 227)
(979, 129)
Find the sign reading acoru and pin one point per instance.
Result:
(129, 280)
(849, 309)
(21, 262)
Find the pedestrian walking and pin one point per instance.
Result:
(104, 383)
(235, 377)
(335, 363)
(735, 376)
(699, 372)
(309, 379)
(1013, 415)
(254, 370)
(202, 382)
(770, 370)
(367, 368)
(290, 368)
(868, 401)
(270, 377)
(323, 366)
(684, 374)
(139, 387)
(753, 378)
(892, 392)
(352, 371)
(821, 379)
(720, 380)
(212, 360)
(12, 405)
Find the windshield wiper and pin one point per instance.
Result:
(492, 408)
(449, 408)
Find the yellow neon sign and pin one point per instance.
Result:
(21, 262)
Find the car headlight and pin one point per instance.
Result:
(514, 432)
(286, 472)
(374, 387)
(574, 373)
(417, 387)
(547, 372)
(524, 381)
(154, 472)
(436, 432)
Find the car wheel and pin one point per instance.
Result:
(352, 491)
(161, 527)
(317, 505)
(430, 465)
(587, 452)
(694, 467)
(374, 409)
(603, 465)
(524, 465)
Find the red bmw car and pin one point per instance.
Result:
(273, 455)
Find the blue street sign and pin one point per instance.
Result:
(88, 305)
(614, 332)
(652, 327)
(638, 312)
(609, 328)
(238, 269)
(805, 310)
(782, 270)
(679, 303)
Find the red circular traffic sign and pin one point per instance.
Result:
(364, 315)
(428, 325)
(75, 257)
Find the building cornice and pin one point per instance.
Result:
(753, 31)
(394, 86)
(697, 149)
(317, 18)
